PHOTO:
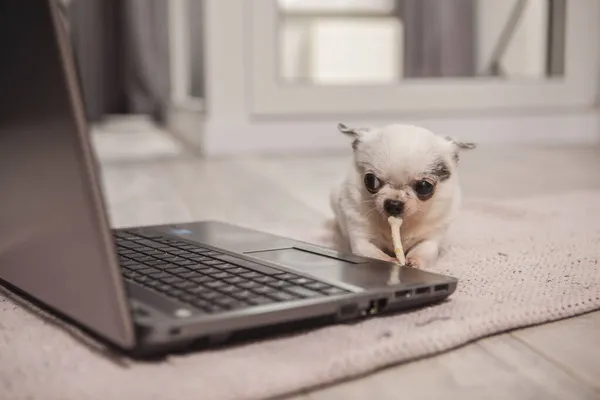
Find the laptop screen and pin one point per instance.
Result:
(54, 237)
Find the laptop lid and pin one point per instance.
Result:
(55, 242)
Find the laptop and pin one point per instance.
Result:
(150, 290)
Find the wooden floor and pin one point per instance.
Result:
(150, 179)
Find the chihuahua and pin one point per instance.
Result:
(403, 171)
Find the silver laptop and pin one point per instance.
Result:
(148, 291)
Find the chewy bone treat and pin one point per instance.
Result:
(395, 224)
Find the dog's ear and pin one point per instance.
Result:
(459, 146)
(355, 133)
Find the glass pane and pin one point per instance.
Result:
(386, 41)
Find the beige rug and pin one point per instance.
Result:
(519, 263)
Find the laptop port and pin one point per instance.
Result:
(441, 288)
(382, 304)
(423, 290)
(376, 306)
(403, 294)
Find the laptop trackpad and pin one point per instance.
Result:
(368, 275)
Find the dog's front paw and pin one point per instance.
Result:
(414, 262)
(423, 255)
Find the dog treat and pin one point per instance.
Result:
(395, 224)
(394, 278)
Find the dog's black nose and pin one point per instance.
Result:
(393, 207)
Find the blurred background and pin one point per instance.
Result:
(267, 81)
(202, 68)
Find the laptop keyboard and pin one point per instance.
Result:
(206, 279)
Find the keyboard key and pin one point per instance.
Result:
(154, 253)
(248, 264)
(202, 279)
(147, 270)
(152, 283)
(303, 292)
(145, 242)
(189, 274)
(129, 274)
(213, 262)
(334, 291)
(197, 289)
(165, 266)
(184, 263)
(243, 295)
(201, 303)
(208, 270)
(228, 289)
(143, 259)
(136, 266)
(179, 252)
(237, 270)
(127, 244)
(249, 285)
(264, 290)
(188, 297)
(185, 285)
(265, 279)
(282, 296)
(141, 278)
(210, 295)
(250, 275)
(159, 274)
(199, 258)
(199, 250)
(287, 276)
(215, 284)
(300, 281)
(228, 267)
(153, 263)
(172, 279)
(187, 254)
(260, 300)
(163, 287)
(317, 286)
(221, 275)
(280, 284)
(172, 259)
(179, 270)
(230, 303)
(187, 246)
(149, 235)
(235, 279)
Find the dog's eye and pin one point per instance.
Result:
(372, 183)
(423, 188)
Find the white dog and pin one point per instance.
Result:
(404, 171)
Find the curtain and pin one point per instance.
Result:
(122, 54)
(439, 38)
(196, 16)
(146, 56)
